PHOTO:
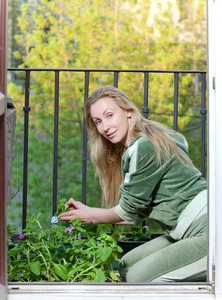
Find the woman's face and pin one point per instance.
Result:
(111, 121)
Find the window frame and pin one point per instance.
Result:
(213, 288)
(3, 144)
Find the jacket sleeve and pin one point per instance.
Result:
(141, 176)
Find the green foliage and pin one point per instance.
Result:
(64, 252)
(131, 233)
(99, 34)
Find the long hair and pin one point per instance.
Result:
(107, 156)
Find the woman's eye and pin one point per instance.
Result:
(109, 115)
(97, 122)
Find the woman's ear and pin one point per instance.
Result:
(128, 113)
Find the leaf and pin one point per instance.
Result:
(61, 271)
(82, 230)
(113, 276)
(14, 251)
(77, 268)
(92, 241)
(92, 274)
(100, 276)
(22, 264)
(104, 253)
(70, 274)
(79, 242)
(35, 267)
(86, 280)
(119, 249)
(107, 237)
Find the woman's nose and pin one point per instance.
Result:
(105, 126)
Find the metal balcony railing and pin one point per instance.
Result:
(145, 111)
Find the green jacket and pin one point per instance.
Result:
(157, 192)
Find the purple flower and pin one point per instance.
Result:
(69, 229)
(21, 236)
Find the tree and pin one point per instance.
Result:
(100, 34)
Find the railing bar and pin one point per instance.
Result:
(145, 108)
(175, 113)
(56, 135)
(145, 111)
(84, 156)
(111, 70)
(26, 110)
(116, 78)
(203, 112)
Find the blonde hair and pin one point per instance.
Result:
(107, 156)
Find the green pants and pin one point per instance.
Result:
(166, 260)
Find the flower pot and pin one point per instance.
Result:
(130, 245)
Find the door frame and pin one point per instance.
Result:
(3, 147)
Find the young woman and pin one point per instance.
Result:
(144, 171)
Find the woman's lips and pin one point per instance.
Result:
(111, 135)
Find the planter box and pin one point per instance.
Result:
(128, 245)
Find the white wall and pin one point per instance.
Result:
(215, 136)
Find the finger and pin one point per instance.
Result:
(79, 205)
(71, 203)
(67, 221)
(67, 214)
(66, 218)
(71, 208)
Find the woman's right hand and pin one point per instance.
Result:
(72, 204)
(76, 209)
(89, 215)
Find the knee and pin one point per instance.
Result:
(135, 274)
(142, 271)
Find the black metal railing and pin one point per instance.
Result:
(145, 111)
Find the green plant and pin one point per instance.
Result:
(65, 252)
(131, 233)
